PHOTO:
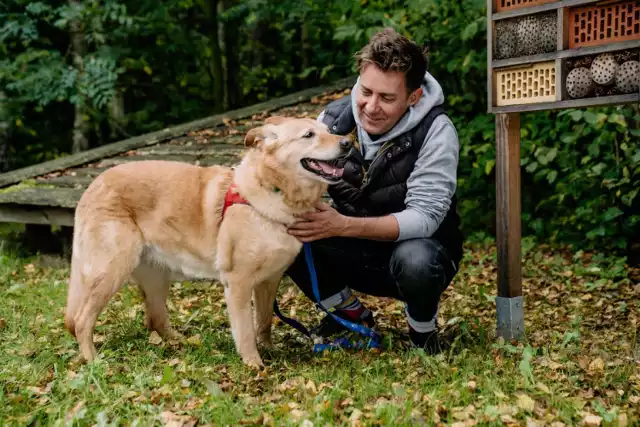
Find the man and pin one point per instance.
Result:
(394, 230)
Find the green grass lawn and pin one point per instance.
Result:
(578, 364)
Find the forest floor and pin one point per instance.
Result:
(579, 363)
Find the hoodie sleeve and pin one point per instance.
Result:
(432, 183)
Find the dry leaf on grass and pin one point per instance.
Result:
(170, 419)
(591, 420)
(155, 338)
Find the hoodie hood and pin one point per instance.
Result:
(432, 96)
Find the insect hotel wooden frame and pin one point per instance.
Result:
(548, 55)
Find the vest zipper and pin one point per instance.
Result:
(381, 151)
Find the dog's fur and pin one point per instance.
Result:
(160, 221)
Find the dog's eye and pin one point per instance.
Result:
(309, 134)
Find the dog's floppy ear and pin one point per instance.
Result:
(276, 120)
(256, 136)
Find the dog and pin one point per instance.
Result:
(156, 222)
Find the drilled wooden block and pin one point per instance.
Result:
(526, 35)
(528, 84)
(505, 5)
(603, 24)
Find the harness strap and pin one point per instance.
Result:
(232, 197)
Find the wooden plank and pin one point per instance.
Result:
(570, 103)
(37, 215)
(508, 237)
(68, 181)
(108, 150)
(541, 8)
(194, 149)
(218, 158)
(566, 53)
(57, 197)
(87, 171)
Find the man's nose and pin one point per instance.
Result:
(371, 106)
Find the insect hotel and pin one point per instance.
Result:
(549, 55)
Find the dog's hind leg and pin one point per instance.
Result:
(110, 252)
(154, 283)
(264, 294)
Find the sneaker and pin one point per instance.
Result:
(329, 327)
(428, 341)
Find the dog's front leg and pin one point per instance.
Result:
(238, 296)
(264, 295)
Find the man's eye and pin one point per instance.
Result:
(309, 134)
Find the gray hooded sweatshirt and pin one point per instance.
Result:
(432, 183)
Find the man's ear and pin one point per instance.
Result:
(276, 120)
(256, 136)
(415, 96)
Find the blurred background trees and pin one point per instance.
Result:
(79, 74)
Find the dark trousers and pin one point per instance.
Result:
(415, 271)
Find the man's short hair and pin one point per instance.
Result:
(390, 50)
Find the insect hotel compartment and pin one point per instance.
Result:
(526, 35)
(526, 84)
(505, 5)
(603, 24)
(606, 74)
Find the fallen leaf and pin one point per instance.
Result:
(623, 420)
(170, 419)
(195, 340)
(596, 366)
(526, 403)
(155, 338)
(591, 420)
(355, 416)
(543, 388)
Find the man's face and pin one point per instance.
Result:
(382, 98)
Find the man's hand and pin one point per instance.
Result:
(325, 222)
(328, 222)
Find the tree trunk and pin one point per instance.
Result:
(210, 8)
(80, 141)
(4, 133)
(117, 118)
(233, 84)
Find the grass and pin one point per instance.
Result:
(578, 364)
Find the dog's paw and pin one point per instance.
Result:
(254, 363)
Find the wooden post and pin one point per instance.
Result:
(509, 302)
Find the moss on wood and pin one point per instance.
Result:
(98, 153)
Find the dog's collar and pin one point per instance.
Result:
(231, 198)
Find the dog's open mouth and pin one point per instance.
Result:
(322, 168)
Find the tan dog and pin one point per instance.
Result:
(161, 221)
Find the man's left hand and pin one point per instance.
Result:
(325, 222)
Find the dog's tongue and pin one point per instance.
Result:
(329, 169)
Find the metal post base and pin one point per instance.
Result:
(510, 317)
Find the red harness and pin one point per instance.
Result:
(231, 198)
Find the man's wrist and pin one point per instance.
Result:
(384, 228)
(352, 226)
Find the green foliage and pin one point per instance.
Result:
(579, 167)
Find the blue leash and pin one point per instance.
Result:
(374, 340)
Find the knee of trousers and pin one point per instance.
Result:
(419, 266)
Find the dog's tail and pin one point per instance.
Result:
(74, 292)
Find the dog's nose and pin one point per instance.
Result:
(345, 143)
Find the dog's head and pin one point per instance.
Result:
(303, 146)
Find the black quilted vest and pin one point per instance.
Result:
(379, 187)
